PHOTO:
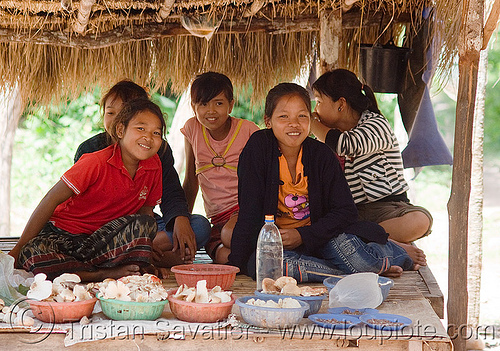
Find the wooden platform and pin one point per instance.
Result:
(415, 295)
(425, 281)
(405, 298)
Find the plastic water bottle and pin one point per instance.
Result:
(269, 252)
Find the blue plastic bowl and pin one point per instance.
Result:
(314, 302)
(385, 284)
(268, 317)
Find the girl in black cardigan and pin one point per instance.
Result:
(309, 198)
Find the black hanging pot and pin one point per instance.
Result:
(383, 67)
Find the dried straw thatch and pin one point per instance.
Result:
(58, 48)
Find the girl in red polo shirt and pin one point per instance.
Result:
(97, 221)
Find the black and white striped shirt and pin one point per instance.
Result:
(373, 164)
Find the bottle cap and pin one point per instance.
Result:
(269, 218)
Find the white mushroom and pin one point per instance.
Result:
(142, 298)
(268, 286)
(309, 291)
(290, 303)
(214, 299)
(67, 278)
(191, 296)
(290, 289)
(81, 293)
(117, 290)
(24, 320)
(85, 320)
(180, 290)
(271, 303)
(216, 289)
(224, 296)
(201, 292)
(282, 281)
(40, 289)
(9, 317)
(66, 295)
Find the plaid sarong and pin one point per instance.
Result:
(125, 240)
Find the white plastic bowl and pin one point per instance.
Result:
(268, 317)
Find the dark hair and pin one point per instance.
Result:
(126, 90)
(131, 109)
(285, 89)
(208, 85)
(343, 83)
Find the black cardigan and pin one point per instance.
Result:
(332, 208)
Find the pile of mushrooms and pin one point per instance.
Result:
(288, 286)
(15, 315)
(287, 302)
(200, 294)
(64, 288)
(145, 288)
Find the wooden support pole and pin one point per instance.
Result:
(470, 43)
(491, 23)
(330, 36)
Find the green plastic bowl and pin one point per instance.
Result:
(132, 310)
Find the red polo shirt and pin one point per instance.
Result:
(105, 191)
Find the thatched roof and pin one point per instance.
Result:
(57, 48)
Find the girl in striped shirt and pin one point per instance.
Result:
(347, 118)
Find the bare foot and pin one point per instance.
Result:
(416, 254)
(170, 259)
(393, 272)
(113, 273)
(160, 272)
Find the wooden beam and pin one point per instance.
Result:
(330, 37)
(155, 30)
(470, 42)
(491, 23)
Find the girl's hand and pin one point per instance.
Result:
(184, 238)
(318, 128)
(291, 238)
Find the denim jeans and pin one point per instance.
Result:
(345, 254)
(201, 228)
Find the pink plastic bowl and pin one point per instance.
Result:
(215, 274)
(61, 312)
(199, 312)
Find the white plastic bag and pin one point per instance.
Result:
(11, 278)
(359, 290)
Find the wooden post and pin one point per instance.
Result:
(470, 43)
(330, 36)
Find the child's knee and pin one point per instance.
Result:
(226, 234)
(161, 242)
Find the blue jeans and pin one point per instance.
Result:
(345, 254)
(201, 228)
